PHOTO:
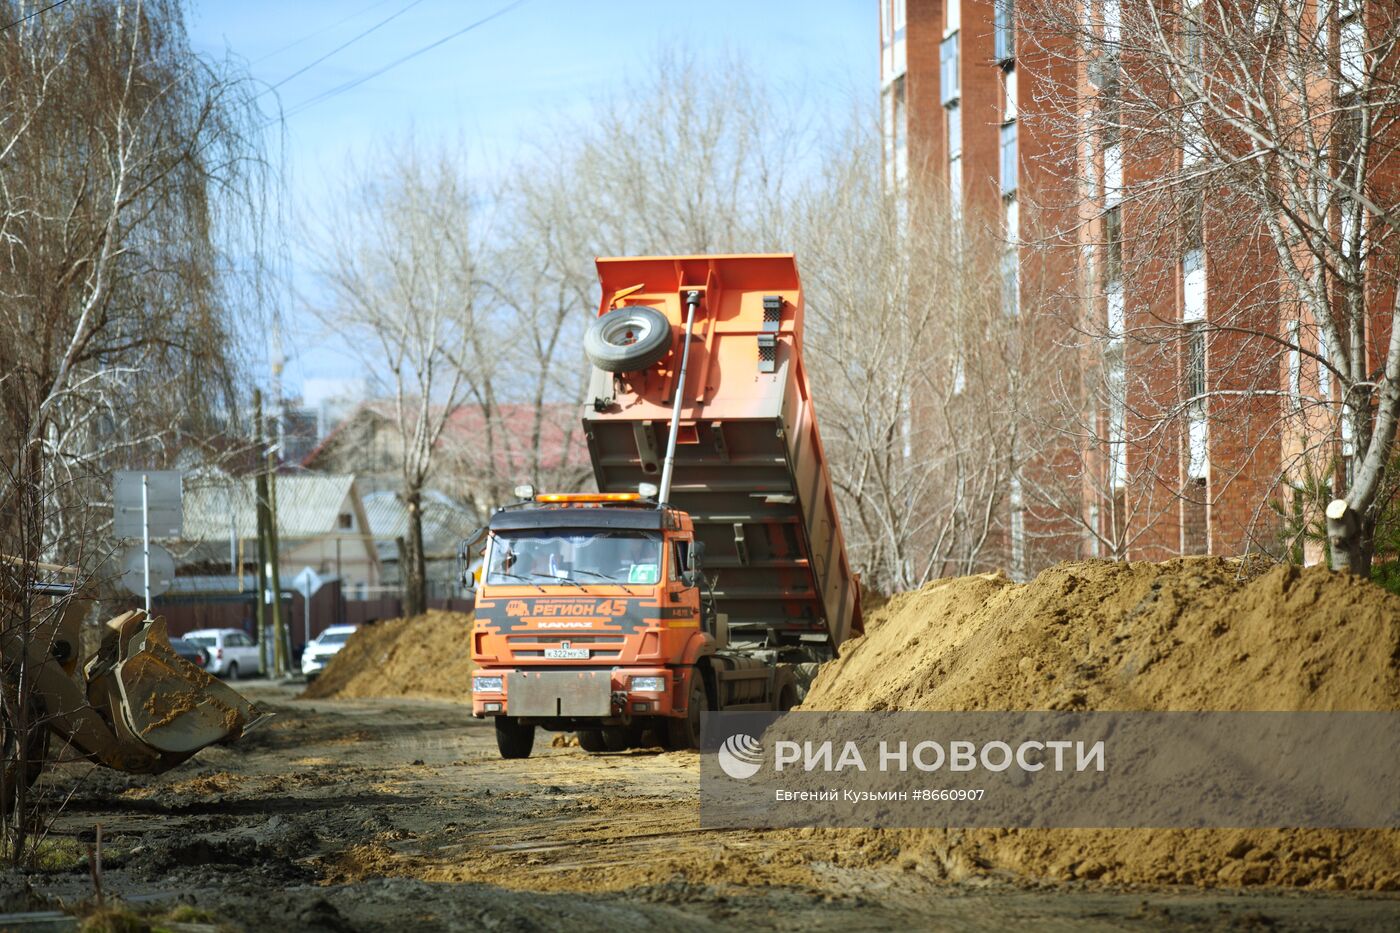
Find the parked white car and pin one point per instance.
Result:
(319, 652)
(232, 654)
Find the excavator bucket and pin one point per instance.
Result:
(134, 705)
(170, 704)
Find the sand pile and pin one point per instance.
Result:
(1182, 635)
(427, 655)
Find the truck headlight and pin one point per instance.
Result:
(649, 684)
(487, 684)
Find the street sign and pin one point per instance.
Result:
(134, 570)
(163, 503)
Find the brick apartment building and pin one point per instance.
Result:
(967, 108)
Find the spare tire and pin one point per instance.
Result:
(629, 339)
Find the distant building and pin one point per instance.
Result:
(321, 523)
(968, 108)
(445, 524)
(480, 460)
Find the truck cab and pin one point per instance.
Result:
(590, 617)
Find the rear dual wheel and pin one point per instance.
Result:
(609, 738)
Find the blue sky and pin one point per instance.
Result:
(494, 86)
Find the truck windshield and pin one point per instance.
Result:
(588, 556)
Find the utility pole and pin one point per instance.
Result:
(260, 503)
(281, 661)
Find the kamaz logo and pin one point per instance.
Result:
(516, 607)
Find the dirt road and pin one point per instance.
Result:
(371, 814)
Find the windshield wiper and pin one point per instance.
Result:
(554, 579)
(607, 579)
(516, 576)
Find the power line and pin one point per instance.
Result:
(351, 85)
(32, 15)
(305, 68)
(324, 29)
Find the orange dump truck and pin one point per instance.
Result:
(708, 572)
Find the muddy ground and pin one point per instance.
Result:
(376, 814)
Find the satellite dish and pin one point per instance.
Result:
(134, 570)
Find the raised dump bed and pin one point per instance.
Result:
(749, 464)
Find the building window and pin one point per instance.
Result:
(1195, 361)
(948, 69)
(952, 11)
(1198, 446)
(1112, 17)
(1008, 89)
(1010, 283)
(1193, 286)
(1115, 384)
(346, 521)
(1013, 221)
(1196, 440)
(1005, 25)
(1113, 245)
(1351, 29)
(901, 134)
(1008, 158)
(955, 186)
(896, 133)
(1295, 365)
(1324, 367)
(1018, 529)
(1116, 314)
(1112, 175)
(1193, 260)
(954, 116)
(1192, 46)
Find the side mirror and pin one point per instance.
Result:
(464, 568)
(697, 556)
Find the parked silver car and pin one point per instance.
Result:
(232, 654)
(323, 647)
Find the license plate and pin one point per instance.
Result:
(567, 654)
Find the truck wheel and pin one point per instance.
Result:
(621, 738)
(513, 739)
(591, 740)
(685, 733)
(628, 340)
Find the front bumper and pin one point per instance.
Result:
(561, 693)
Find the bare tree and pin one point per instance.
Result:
(918, 372)
(1254, 141)
(399, 260)
(694, 158)
(131, 174)
(129, 170)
